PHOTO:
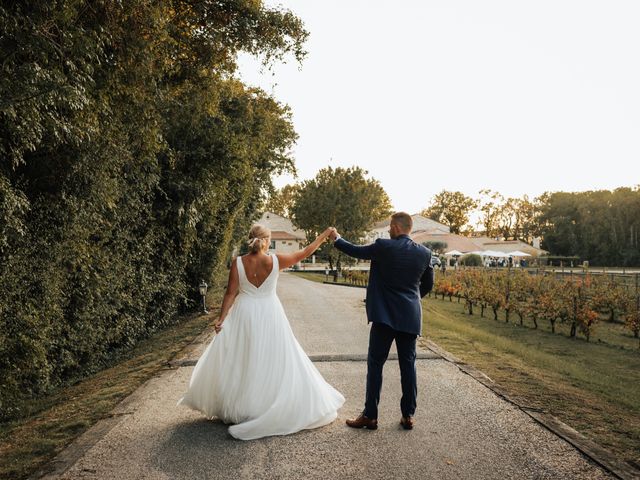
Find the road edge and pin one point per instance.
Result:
(587, 447)
(73, 452)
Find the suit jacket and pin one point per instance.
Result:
(401, 273)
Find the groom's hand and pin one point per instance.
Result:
(334, 235)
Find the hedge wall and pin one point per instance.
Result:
(131, 160)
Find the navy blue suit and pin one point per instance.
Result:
(401, 273)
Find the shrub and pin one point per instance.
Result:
(470, 260)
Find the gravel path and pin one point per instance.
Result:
(464, 430)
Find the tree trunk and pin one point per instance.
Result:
(506, 316)
(535, 322)
(573, 329)
(470, 304)
(553, 326)
(521, 318)
(482, 310)
(495, 313)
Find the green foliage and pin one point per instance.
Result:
(131, 161)
(470, 260)
(508, 218)
(342, 198)
(451, 208)
(436, 245)
(281, 201)
(600, 226)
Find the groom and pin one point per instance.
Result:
(401, 273)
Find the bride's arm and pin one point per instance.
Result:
(286, 260)
(229, 296)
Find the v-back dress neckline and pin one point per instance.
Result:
(244, 271)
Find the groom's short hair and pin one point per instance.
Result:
(403, 220)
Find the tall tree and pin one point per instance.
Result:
(281, 201)
(490, 204)
(451, 208)
(344, 198)
(599, 226)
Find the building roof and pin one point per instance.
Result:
(277, 223)
(453, 241)
(280, 235)
(420, 223)
(510, 246)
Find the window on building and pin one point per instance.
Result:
(272, 245)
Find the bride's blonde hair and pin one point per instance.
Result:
(258, 236)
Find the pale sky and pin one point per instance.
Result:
(520, 97)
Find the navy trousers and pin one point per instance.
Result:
(380, 338)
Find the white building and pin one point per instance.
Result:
(285, 237)
(420, 224)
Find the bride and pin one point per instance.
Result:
(254, 374)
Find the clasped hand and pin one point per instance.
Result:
(331, 233)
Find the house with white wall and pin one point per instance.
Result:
(285, 237)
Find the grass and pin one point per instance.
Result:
(27, 444)
(594, 387)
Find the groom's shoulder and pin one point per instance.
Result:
(424, 251)
(384, 242)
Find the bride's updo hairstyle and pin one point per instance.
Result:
(259, 235)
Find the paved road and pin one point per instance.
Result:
(464, 430)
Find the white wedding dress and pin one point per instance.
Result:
(255, 375)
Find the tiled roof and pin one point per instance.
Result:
(417, 219)
(453, 241)
(279, 235)
(510, 246)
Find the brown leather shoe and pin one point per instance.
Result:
(363, 422)
(407, 423)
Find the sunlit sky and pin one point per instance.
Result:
(519, 97)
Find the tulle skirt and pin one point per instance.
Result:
(255, 375)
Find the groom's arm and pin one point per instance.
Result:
(363, 252)
(427, 280)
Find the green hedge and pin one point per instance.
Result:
(131, 162)
(470, 260)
